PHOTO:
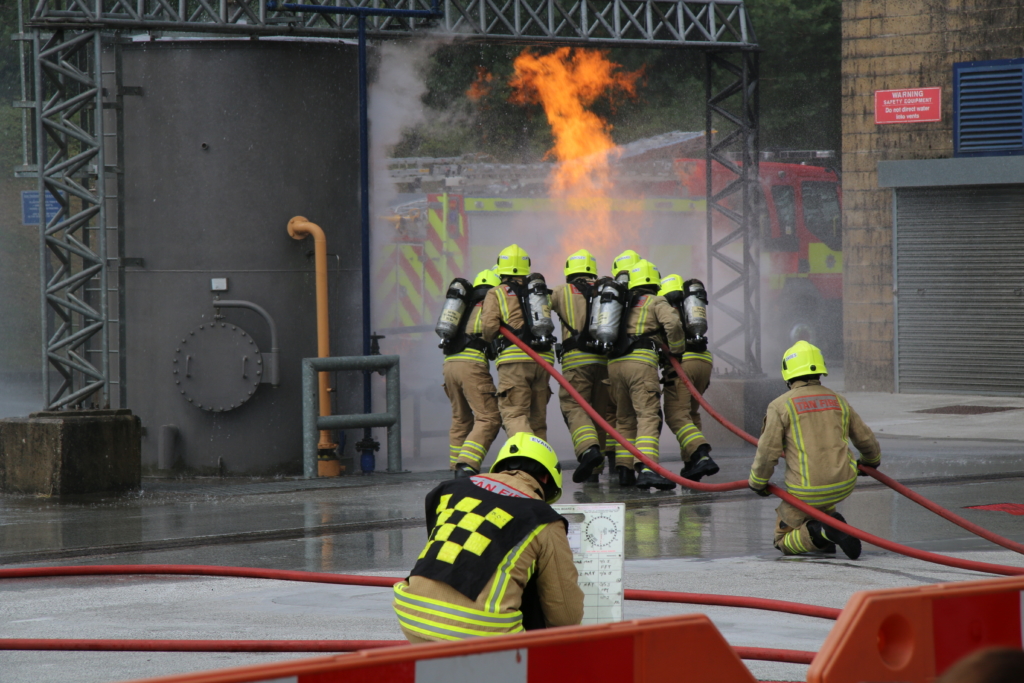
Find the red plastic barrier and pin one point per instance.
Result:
(576, 654)
(915, 634)
(737, 485)
(870, 471)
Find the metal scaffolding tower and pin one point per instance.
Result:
(72, 95)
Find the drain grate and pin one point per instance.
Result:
(966, 410)
(1011, 508)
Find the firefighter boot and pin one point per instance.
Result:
(649, 478)
(464, 470)
(700, 465)
(822, 535)
(627, 476)
(590, 460)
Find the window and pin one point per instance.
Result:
(784, 198)
(821, 212)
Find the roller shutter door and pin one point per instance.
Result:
(959, 254)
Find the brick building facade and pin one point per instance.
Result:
(890, 44)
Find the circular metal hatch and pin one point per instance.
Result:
(217, 367)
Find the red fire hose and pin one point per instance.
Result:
(870, 471)
(737, 485)
(387, 582)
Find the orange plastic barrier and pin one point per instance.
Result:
(625, 652)
(914, 634)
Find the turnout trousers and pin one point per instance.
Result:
(791, 534)
(589, 380)
(682, 412)
(637, 394)
(475, 417)
(523, 394)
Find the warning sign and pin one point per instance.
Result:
(908, 106)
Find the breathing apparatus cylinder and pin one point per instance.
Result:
(695, 310)
(454, 308)
(538, 299)
(606, 314)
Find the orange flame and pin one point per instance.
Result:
(565, 83)
(481, 85)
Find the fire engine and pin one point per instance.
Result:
(478, 207)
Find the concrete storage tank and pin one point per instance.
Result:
(227, 141)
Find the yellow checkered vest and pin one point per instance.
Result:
(473, 523)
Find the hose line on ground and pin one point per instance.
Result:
(387, 581)
(737, 485)
(870, 471)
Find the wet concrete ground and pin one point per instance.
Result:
(714, 543)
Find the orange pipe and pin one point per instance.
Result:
(299, 228)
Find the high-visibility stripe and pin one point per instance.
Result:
(648, 356)
(687, 434)
(517, 355)
(472, 355)
(698, 355)
(648, 445)
(472, 451)
(583, 434)
(793, 542)
(504, 573)
(577, 359)
(794, 421)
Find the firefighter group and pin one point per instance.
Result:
(497, 558)
(616, 332)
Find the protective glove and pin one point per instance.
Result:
(764, 493)
(861, 473)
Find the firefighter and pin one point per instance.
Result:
(523, 389)
(682, 411)
(497, 558)
(469, 387)
(810, 426)
(585, 371)
(633, 371)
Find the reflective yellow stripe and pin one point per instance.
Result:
(472, 355)
(793, 543)
(576, 358)
(647, 356)
(794, 420)
(503, 577)
(517, 355)
(698, 355)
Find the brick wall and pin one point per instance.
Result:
(898, 44)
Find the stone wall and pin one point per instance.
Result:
(891, 44)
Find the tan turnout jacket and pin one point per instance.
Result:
(810, 425)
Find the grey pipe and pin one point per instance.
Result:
(273, 374)
(167, 446)
(311, 422)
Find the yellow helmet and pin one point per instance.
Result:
(671, 283)
(513, 260)
(533, 455)
(487, 277)
(581, 263)
(644, 273)
(624, 261)
(802, 358)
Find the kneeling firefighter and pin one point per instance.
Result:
(633, 371)
(584, 369)
(811, 425)
(467, 374)
(682, 411)
(497, 559)
(522, 303)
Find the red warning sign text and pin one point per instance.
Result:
(908, 106)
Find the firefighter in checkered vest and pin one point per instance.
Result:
(497, 558)
(810, 425)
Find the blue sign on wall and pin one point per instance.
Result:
(30, 207)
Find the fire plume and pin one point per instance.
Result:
(481, 85)
(566, 83)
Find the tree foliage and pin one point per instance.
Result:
(800, 91)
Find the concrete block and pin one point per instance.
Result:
(62, 453)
